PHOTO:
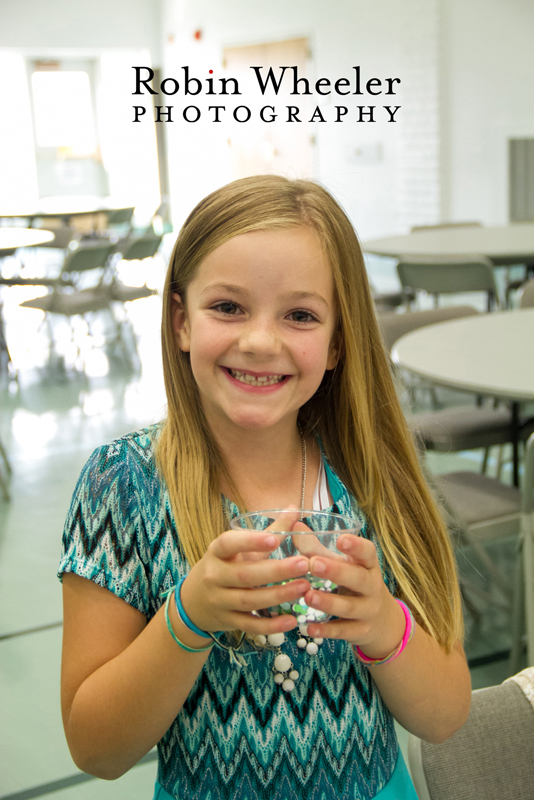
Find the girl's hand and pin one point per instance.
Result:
(368, 614)
(231, 581)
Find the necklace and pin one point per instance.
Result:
(304, 465)
(284, 673)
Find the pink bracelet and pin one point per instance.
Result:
(408, 633)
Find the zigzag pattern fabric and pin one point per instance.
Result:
(238, 736)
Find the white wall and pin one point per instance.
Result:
(488, 79)
(115, 34)
(73, 24)
(387, 39)
(467, 72)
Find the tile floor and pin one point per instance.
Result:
(49, 422)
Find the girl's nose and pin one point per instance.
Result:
(260, 339)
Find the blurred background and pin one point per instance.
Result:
(90, 206)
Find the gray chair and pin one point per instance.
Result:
(5, 472)
(63, 236)
(120, 220)
(121, 293)
(393, 326)
(85, 258)
(526, 299)
(490, 758)
(449, 275)
(479, 510)
(70, 301)
(452, 429)
(136, 249)
(386, 302)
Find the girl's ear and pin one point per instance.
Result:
(180, 323)
(334, 350)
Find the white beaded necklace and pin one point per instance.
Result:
(284, 673)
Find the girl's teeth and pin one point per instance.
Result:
(244, 377)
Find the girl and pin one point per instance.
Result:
(279, 395)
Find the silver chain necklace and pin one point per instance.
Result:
(304, 466)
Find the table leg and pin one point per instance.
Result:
(528, 565)
(515, 441)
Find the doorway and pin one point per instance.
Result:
(280, 146)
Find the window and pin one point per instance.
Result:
(63, 111)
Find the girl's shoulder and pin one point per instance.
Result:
(122, 463)
(119, 531)
(135, 448)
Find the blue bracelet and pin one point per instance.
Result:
(183, 616)
(176, 639)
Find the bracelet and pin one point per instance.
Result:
(174, 636)
(185, 619)
(408, 633)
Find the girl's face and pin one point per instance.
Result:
(259, 326)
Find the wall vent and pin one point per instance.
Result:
(521, 179)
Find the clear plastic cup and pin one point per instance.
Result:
(325, 530)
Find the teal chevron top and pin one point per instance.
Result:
(238, 736)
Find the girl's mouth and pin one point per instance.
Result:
(252, 380)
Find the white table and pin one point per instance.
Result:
(64, 207)
(504, 245)
(490, 354)
(11, 238)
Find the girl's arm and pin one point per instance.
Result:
(427, 690)
(124, 681)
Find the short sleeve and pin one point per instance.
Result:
(103, 537)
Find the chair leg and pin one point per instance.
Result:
(5, 458)
(485, 460)
(486, 596)
(473, 610)
(494, 573)
(500, 461)
(4, 487)
(4, 480)
(518, 612)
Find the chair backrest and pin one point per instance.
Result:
(441, 225)
(119, 216)
(137, 249)
(393, 326)
(88, 257)
(491, 756)
(63, 235)
(448, 275)
(527, 495)
(526, 299)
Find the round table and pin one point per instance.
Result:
(504, 245)
(489, 354)
(11, 238)
(64, 207)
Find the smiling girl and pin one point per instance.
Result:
(279, 395)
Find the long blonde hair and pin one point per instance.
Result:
(355, 410)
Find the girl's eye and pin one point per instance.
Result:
(303, 316)
(226, 307)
